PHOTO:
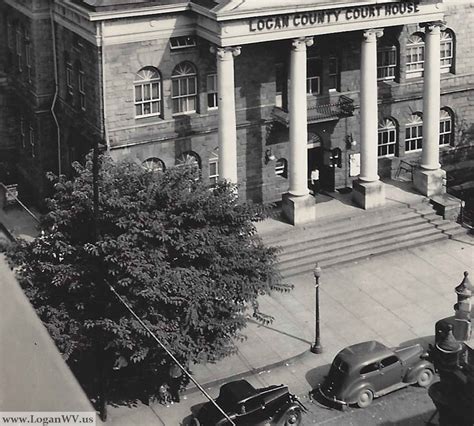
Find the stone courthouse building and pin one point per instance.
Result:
(282, 97)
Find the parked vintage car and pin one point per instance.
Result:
(364, 371)
(245, 405)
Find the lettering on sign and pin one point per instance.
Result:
(349, 14)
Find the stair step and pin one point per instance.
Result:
(363, 233)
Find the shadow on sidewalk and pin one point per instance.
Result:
(250, 320)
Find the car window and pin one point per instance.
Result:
(340, 365)
(253, 404)
(389, 361)
(370, 368)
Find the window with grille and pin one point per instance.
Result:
(147, 86)
(213, 170)
(415, 56)
(313, 79)
(387, 138)
(184, 88)
(154, 165)
(386, 62)
(446, 51)
(445, 128)
(212, 96)
(81, 87)
(182, 42)
(333, 72)
(414, 133)
(281, 168)
(19, 43)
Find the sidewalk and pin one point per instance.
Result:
(395, 298)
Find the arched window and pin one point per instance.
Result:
(147, 92)
(154, 164)
(414, 133)
(446, 128)
(446, 50)
(387, 138)
(189, 159)
(386, 62)
(415, 55)
(184, 89)
(281, 168)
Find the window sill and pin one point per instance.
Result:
(185, 114)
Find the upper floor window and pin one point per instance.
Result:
(333, 72)
(147, 86)
(446, 50)
(184, 88)
(154, 164)
(22, 131)
(32, 141)
(386, 62)
(69, 75)
(28, 53)
(182, 42)
(19, 44)
(445, 128)
(281, 81)
(10, 35)
(415, 55)
(189, 159)
(414, 133)
(81, 87)
(212, 91)
(313, 76)
(387, 138)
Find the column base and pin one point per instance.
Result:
(298, 210)
(429, 182)
(368, 195)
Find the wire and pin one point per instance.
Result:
(170, 354)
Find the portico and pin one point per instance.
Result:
(246, 23)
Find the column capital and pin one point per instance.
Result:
(372, 34)
(302, 43)
(433, 27)
(225, 53)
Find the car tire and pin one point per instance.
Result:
(425, 378)
(292, 417)
(365, 398)
(194, 422)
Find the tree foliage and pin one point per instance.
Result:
(187, 259)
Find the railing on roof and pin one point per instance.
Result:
(321, 108)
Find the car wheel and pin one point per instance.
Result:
(365, 398)
(194, 422)
(292, 417)
(425, 377)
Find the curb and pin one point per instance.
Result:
(192, 388)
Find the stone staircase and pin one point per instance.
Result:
(338, 240)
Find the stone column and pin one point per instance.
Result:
(227, 131)
(429, 179)
(298, 205)
(368, 191)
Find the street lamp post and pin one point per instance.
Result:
(316, 348)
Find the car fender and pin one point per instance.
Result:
(353, 393)
(290, 406)
(412, 373)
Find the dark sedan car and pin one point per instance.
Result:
(362, 372)
(245, 405)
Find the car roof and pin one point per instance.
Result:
(237, 391)
(364, 352)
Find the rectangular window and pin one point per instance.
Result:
(19, 43)
(28, 54)
(69, 78)
(148, 98)
(280, 84)
(212, 97)
(445, 133)
(182, 42)
(82, 90)
(386, 63)
(413, 138)
(415, 60)
(386, 142)
(333, 73)
(213, 171)
(10, 35)
(184, 95)
(313, 73)
(22, 132)
(446, 55)
(32, 142)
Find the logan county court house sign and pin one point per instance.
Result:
(298, 20)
